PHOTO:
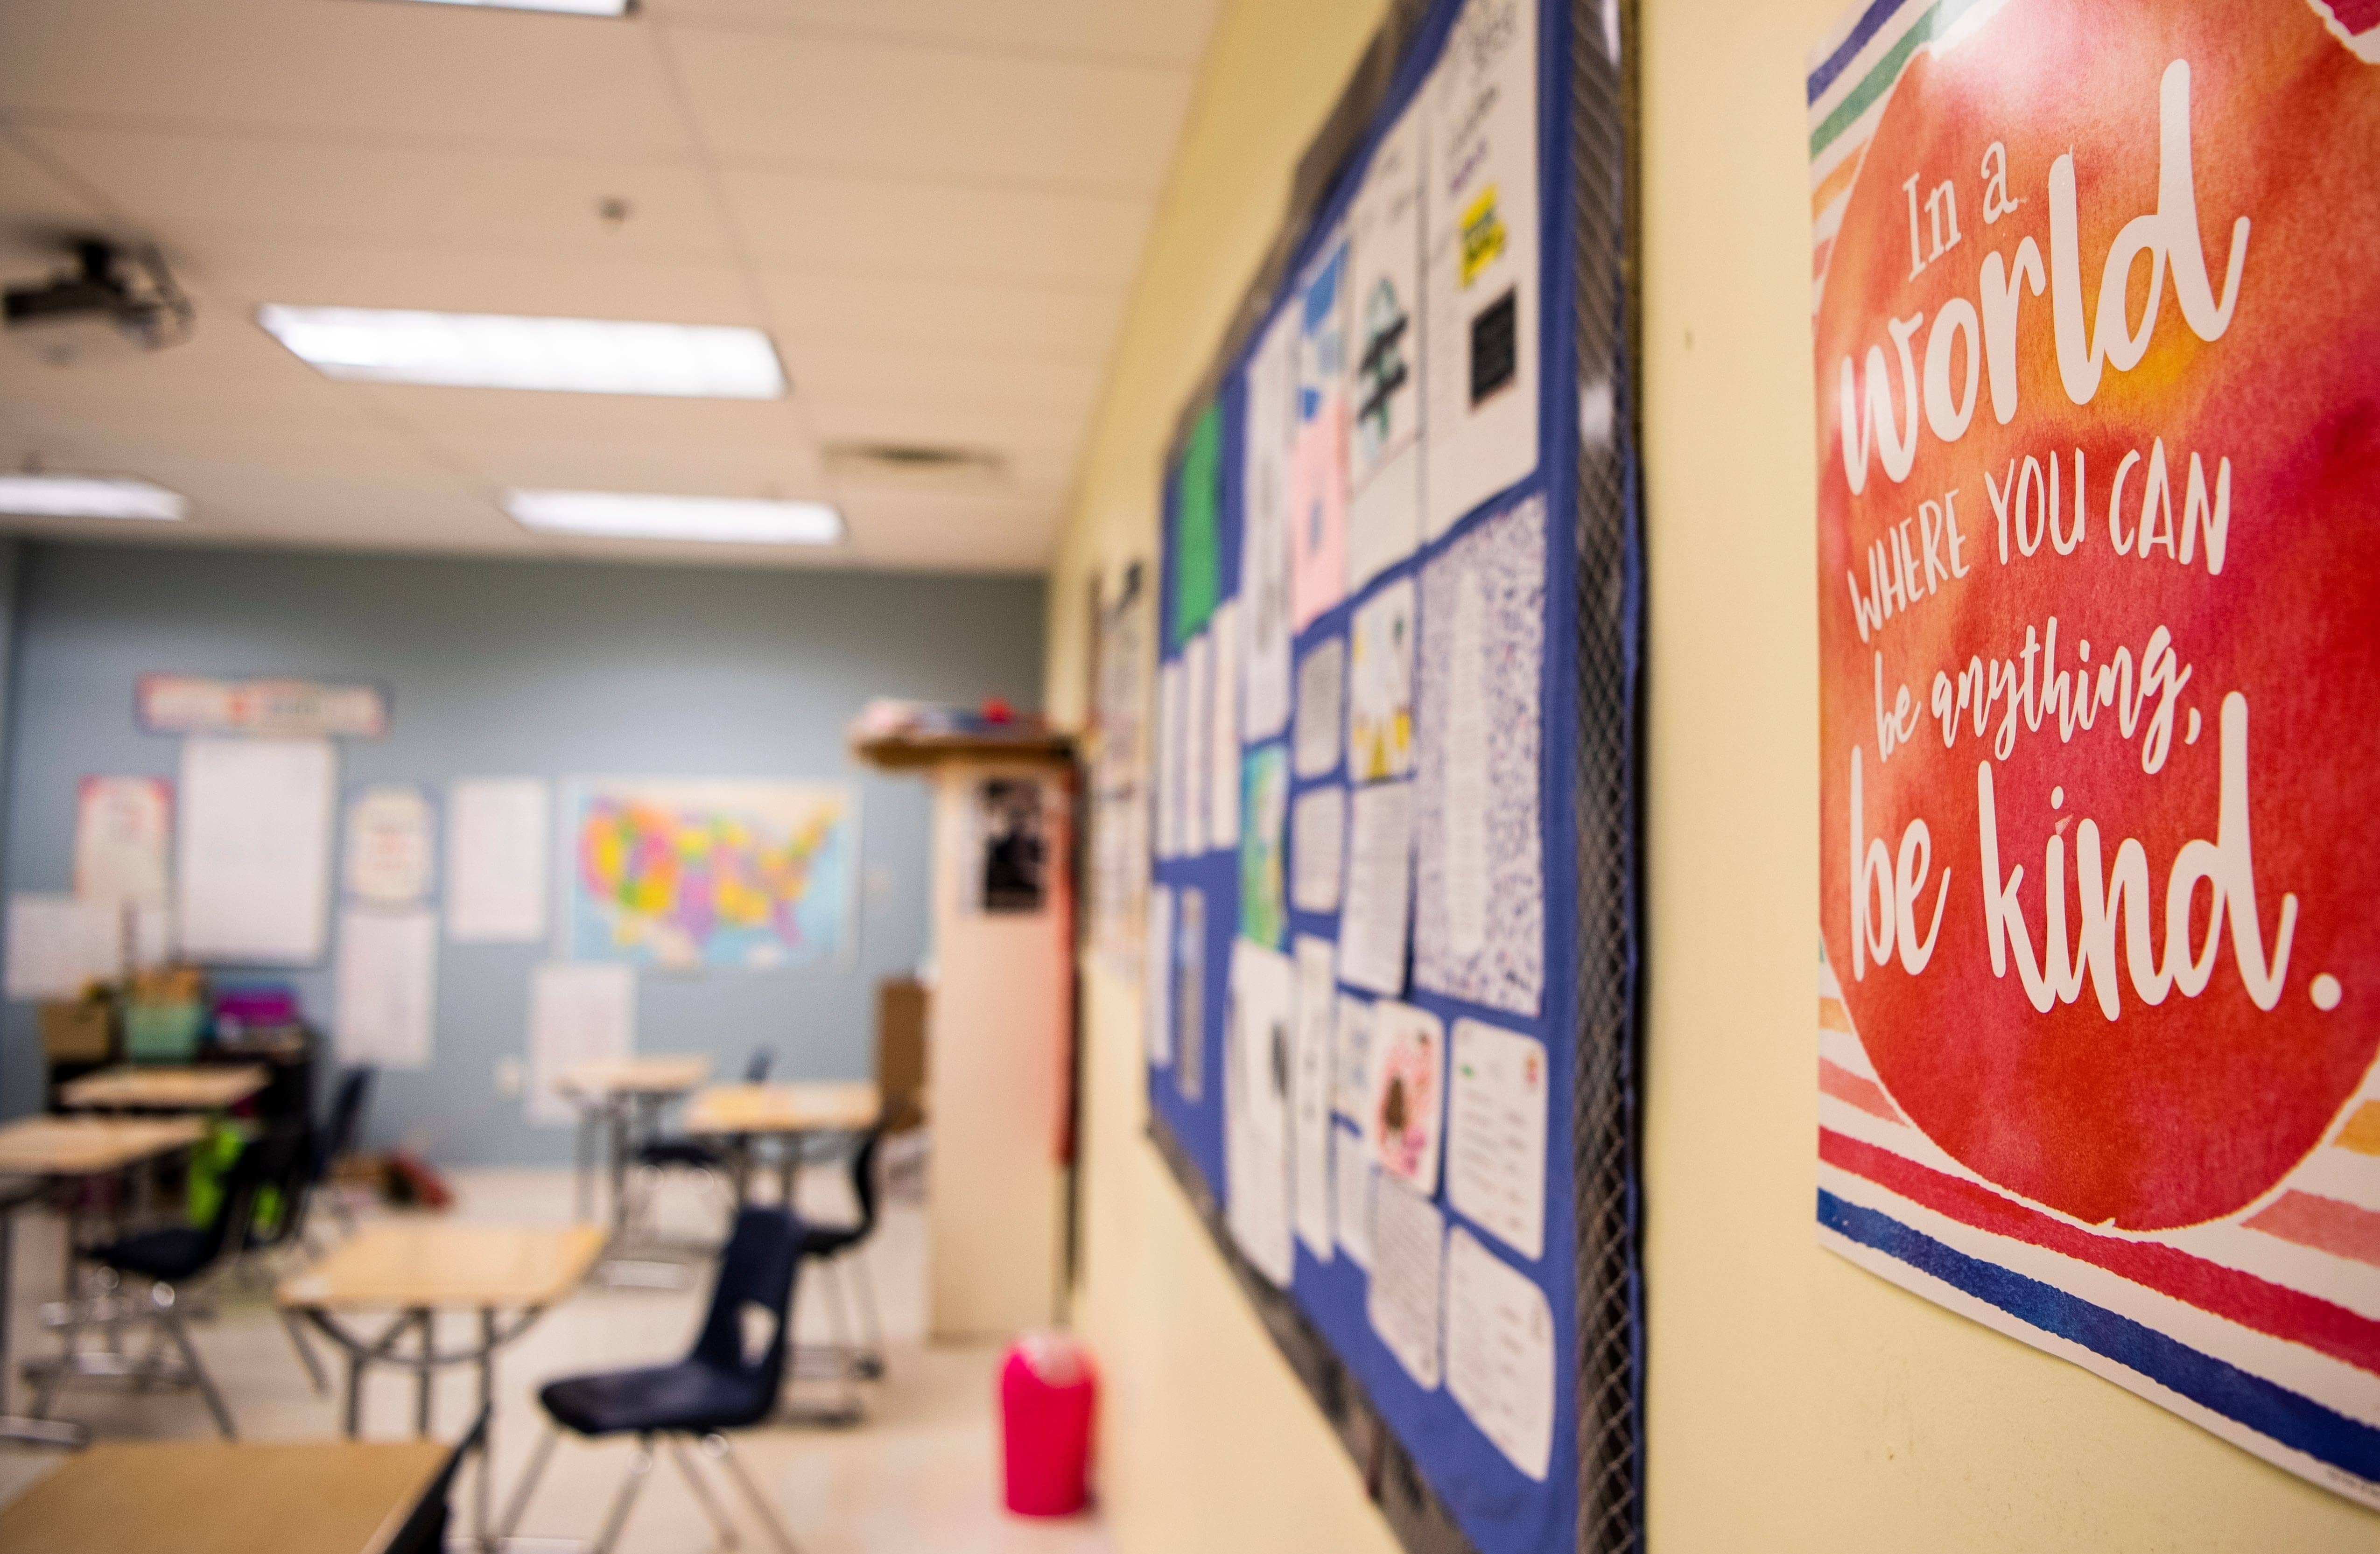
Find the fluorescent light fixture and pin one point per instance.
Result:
(492, 350)
(88, 496)
(568, 7)
(727, 520)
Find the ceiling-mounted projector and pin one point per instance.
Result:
(127, 286)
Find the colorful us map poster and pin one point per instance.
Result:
(691, 874)
(2097, 332)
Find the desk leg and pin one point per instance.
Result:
(29, 1432)
(619, 1169)
(427, 1325)
(582, 1164)
(488, 1423)
(355, 1425)
(789, 1169)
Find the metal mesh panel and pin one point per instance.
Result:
(1603, 1130)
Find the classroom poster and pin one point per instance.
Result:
(123, 827)
(2095, 373)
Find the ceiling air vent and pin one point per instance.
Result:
(912, 464)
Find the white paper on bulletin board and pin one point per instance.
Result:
(56, 943)
(254, 876)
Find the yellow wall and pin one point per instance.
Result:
(1796, 1402)
(1206, 1441)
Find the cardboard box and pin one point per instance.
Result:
(82, 1031)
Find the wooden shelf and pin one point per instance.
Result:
(916, 752)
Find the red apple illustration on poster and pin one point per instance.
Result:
(2097, 352)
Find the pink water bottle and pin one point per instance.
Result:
(1046, 1391)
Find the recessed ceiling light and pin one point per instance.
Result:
(88, 496)
(493, 350)
(569, 7)
(631, 516)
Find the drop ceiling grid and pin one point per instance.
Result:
(934, 206)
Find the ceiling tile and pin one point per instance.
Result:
(1150, 31)
(943, 232)
(909, 313)
(444, 74)
(198, 186)
(999, 534)
(828, 103)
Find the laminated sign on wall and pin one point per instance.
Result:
(2097, 370)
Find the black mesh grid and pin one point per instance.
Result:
(1603, 1118)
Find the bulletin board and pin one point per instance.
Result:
(1391, 940)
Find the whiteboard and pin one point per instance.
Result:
(254, 876)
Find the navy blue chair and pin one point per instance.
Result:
(170, 1260)
(835, 1249)
(724, 1384)
(681, 1153)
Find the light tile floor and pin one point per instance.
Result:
(919, 1475)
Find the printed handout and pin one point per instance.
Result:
(1479, 895)
(123, 826)
(58, 943)
(579, 1011)
(1496, 1134)
(1318, 838)
(1376, 906)
(391, 845)
(254, 875)
(1480, 304)
(1190, 994)
(1222, 777)
(386, 990)
(1310, 1095)
(1408, 1248)
(1380, 685)
(1318, 477)
(1353, 1182)
(1500, 1353)
(498, 830)
(1321, 697)
(1197, 730)
(1258, 1029)
(1384, 457)
(1264, 545)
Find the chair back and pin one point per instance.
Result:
(755, 1068)
(756, 1269)
(346, 1121)
(253, 1167)
(287, 1162)
(863, 1181)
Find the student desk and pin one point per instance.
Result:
(128, 1088)
(215, 1498)
(420, 1268)
(787, 1112)
(57, 1148)
(628, 1094)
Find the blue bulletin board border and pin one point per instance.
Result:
(1443, 1486)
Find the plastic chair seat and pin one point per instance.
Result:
(169, 1256)
(689, 1396)
(831, 1241)
(684, 1153)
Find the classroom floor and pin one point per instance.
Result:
(920, 1474)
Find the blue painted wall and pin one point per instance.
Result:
(550, 669)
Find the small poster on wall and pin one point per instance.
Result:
(2099, 830)
(123, 827)
(1011, 847)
